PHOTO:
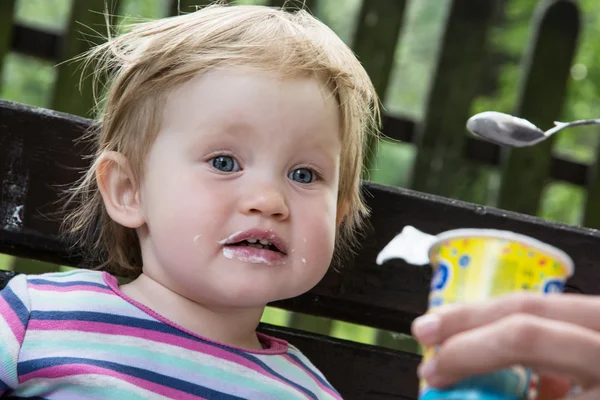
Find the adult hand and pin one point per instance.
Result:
(557, 335)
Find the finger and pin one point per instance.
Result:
(440, 324)
(547, 346)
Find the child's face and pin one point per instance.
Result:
(249, 152)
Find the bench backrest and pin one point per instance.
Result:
(39, 152)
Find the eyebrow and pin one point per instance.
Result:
(231, 128)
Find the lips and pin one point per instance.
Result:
(253, 236)
(255, 246)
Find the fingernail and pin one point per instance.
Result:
(426, 327)
(428, 369)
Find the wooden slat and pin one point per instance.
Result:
(440, 165)
(569, 171)
(357, 371)
(553, 42)
(36, 43)
(388, 296)
(396, 128)
(482, 152)
(36, 146)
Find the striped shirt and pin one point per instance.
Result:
(74, 335)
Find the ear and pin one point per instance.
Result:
(119, 189)
(342, 212)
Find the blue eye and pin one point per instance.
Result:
(225, 164)
(302, 175)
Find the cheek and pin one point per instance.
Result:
(318, 232)
(182, 214)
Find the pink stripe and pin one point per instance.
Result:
(325, 388)
(13, 321)
(51, 288)
(60, 371)
(160, 337)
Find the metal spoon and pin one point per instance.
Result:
(507, 130)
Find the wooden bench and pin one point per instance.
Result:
(38, 152)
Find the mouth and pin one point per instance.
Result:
(255, 246)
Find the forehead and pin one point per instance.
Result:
(242, 99)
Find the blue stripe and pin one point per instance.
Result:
(16, 304)
(66, 284)
(112, 319)
(4, 388)
(27, 367)
(313, 373)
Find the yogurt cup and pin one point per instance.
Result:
(472, 265)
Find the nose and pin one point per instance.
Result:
(266, 199)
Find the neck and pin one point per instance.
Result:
(228, 325)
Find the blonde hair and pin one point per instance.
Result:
(140, 67)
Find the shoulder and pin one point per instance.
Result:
(64, 290)
(303, 362)
(75, 277)
(15, 311)
(293, 355)
(15, 304)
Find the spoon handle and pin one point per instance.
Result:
(563, 125)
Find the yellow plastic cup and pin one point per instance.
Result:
(477, 264)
